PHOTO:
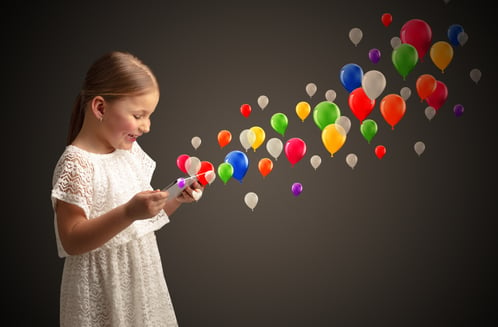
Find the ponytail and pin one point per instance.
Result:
(76, 121)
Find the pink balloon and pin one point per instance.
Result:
(438, 97)
(295, 149)
(180, 162)
(417, 33)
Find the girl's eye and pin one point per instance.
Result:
(137, 116)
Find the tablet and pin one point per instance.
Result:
(178, 185)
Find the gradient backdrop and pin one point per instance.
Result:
(407, 240)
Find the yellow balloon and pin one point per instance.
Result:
(333, 137)
(441, 54)
(303, 110)
(260, 137)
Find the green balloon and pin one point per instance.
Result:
(368, 129)
(225, 171)
(279, 122)
(325, 113)
(404, 58)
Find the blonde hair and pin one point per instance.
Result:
(114, 75)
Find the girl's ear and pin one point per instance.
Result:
(97, 106)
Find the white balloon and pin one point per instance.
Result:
(247, 137)
(192, 165)
(345, 122)
(462, 38)
(405, 93)
(430, 112)
(311, 89)
(395, 42)
(197, 194)
(419, 147)
(315, 161)
(196, 142)
(330, 95)
(251, 200)
(475, 75)
(355, 35)
(210, 176)
(352, 160)
(274, 146)
(263, 101)
(373, 83)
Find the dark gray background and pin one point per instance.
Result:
(402, 241)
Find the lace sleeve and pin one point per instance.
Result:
(72, 181)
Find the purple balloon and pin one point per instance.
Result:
(296, 189)
(181, 182)
(458, 110)
(374, 55)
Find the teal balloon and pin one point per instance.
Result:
(404, 59)
(368, 129)
(325, 113)
(279, 122)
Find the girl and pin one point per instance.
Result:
(105, 210)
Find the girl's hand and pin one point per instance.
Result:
(191, 193)
(146, 204)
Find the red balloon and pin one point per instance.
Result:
(392, 108)
(387, 19)
(437, 98)
(201, 174)
(295, 149)
(180, 162)
(359, 102)
(245, 110)
(224, 137)
(380, 151)
(417, 33)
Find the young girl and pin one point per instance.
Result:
(105, 210)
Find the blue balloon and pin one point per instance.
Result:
(351, 76)
(453, 32)
(239, 162)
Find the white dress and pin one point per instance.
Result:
(121, 283)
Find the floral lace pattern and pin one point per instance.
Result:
(121, 283)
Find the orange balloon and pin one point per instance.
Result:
(224, 137)
(426, 84)
(392, 108)
(265, 166)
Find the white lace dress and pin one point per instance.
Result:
(121, 283)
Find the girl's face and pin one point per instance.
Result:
(126, 119)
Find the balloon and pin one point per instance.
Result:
(425, 84)
(392, 108)
(441, 54)
(462, 38)
(395, 42)
(386, 19)
(279, 123)
(374, 55)
(210, 176)
(325, 113)
(295, 149)
(192, 165)
(438, 97)
(373, 83)
(206, 167)
(361, 105)
(310, 89)
(404, 59)
(263, 101)
(351, 160)
(180, 162)
(458, 110)
(417, 33)
(345, 122)
(368, 129)
(475, 75)
(429, 112)
(303, 109)
(245, 110)
(224, 137)
(330, 95)
(260, 137)
(247, 138)
(315, 161)
(380, 151)
(251, 200)
(274, 146)
(225, 171)
(333, 138)
(355, 35)
(351, 76)
(453, 32)
(296, 188)
(196, 142)
(239, 162)
(419, 147)
(265, 166)
(405, 92)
